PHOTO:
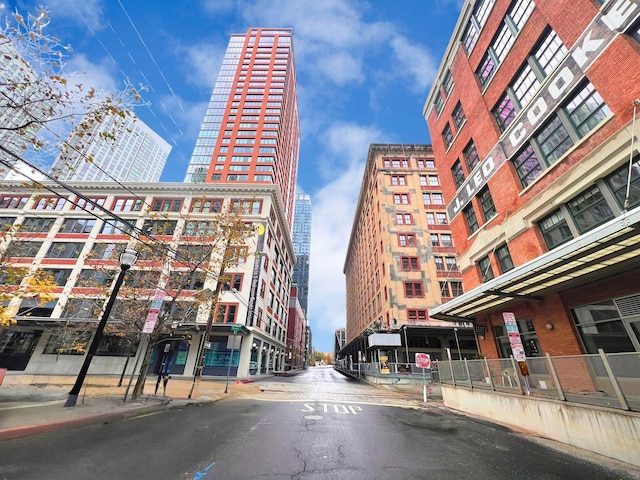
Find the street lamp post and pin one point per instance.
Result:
(127, 258)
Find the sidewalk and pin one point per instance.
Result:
(29, 410)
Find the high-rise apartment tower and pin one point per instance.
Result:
(136, 153)
(250, 133)
(302, 246)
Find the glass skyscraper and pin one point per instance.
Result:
(302, 246)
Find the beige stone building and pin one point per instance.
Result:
(401, 259)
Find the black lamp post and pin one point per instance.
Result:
(127, 258)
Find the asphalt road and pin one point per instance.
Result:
(318, 425)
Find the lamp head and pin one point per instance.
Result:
(128, 257)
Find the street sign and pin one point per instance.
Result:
(423, 360)
(236, 329)
(515, 341)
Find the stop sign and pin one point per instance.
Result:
(423, 360)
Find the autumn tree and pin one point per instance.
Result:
(17, 282)
(41, 103)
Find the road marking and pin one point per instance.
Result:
(199, 475)
(328, 407)
(313, 417)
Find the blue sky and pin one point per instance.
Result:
(364, 70)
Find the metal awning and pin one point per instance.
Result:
(611, 248)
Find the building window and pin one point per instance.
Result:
(435, 240)
(106, 251)
(439, 103)
(410, 264)
(23, 249)
(472, 220)
(550, 52)
(413, 289)
(398, 180)
(89, 204)
(587, 109)
(406, 240)
(451, 264)
(95, 278)
(526, 85)
(226, 313)
(439, 263)
(470, 154)
(77, 225)
(488, 207)
(485, 69)
(234, 282)
(424, 163)
(37, 225)
(441, 218)
(476, 22)
(59, 275)
(601, 327)
(446, 240)
(401, 198)
(404, 219)
(11, 201)
(116, 227)
(617, 182)
(159, 227)
(64, 250)
(247, 206)
(127, 205)
(447, 136)
(233, 177)
(447, 83)
(504, 112)
(49, 203)
(206, 205)
(458, 116)
(504, 258)
(555, 230)
(166, 205)
(553, 140)
(486, 272)
(527, 166)
(590, 209)
(417, 314)
(457, 173)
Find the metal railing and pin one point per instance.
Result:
(603, 379)
(408, 372)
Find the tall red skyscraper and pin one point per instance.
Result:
(250, 132)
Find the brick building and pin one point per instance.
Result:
(401, 258)
(532, 117)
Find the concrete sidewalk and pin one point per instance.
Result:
(29, 409)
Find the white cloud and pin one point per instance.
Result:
(333, 209)
(88, 13)
(201, 63)
(99, 76)
(414, 62)
(219, 6)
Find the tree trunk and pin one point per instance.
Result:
(142, 376)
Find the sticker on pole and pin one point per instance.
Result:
(423, 360)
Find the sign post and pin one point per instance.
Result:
(516, 346)
(423, 360)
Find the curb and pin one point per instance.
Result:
(91, 419)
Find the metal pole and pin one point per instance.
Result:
(126, 363)
(455, 332)
(75, 391)
(233, 346)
